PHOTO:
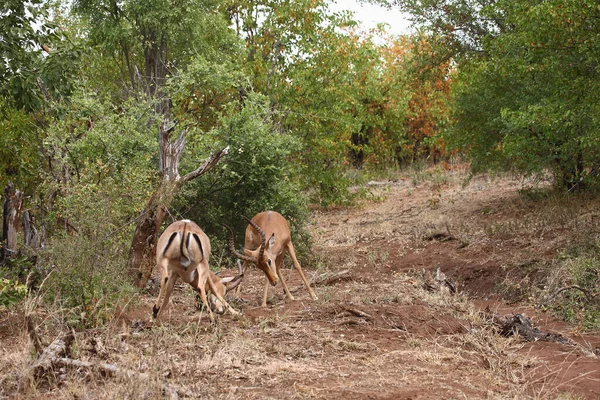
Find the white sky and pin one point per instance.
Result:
(369, 15)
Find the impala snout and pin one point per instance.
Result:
(218, 307)
(271, 275)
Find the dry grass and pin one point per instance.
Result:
(377, 333)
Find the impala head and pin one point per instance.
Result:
(261, 257)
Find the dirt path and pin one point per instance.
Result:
(376, 331)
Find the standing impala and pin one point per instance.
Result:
(268, 255)
(183, 251)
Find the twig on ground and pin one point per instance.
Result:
(358, 313)
(440, 236)
(112, 369)
(56, 355)
(330, 279)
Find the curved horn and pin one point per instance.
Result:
(232, 283)
(235, 253)
(263, 238)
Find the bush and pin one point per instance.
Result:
(11, 292)
(256, 175)
(581, 271)
(101, 177)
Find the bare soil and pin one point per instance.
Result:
(378, 330)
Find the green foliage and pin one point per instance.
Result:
(19, 147)
(40, 61)
(11, 292)
(92, 142)
(255, 176)
(89, 274)
(101, 175)
(526, 96)
(575, 305)
(142, 42)
(20, 50)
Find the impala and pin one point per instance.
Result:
(268, 255)
(183, 251)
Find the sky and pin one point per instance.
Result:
(369, 15)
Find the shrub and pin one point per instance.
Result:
(256, 175)
(580, 272)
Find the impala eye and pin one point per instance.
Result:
(269, 262)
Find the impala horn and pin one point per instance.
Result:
(235, 281)
(263, 238)
(236, 253)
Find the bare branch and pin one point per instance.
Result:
(210, 162)
(588, 295)
(112, 369)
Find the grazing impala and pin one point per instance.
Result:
(183, 251)
(268, 254)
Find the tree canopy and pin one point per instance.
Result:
(277, 104)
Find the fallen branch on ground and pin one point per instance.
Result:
(439, 236)
(359, 313)
(54, 356)
(58, 348)
(520, 325)
(111, 369)
(330, 279)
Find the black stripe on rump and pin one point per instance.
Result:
(182, 239)
(171, 238)
(197, 239)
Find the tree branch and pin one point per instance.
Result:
(210, 162)
(588, 295)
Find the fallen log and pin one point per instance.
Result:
(55, 355)
(520, 325)
(330, 279)
(113, 370)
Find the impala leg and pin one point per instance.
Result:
(265, 294)
(166, 288)
(297, 265)
(199, 285)
(278, 264)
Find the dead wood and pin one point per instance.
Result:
(57, 349)
(33, 238)
(358, 313)
(113, 370)
(439, 236)
(439, 283)
(35, 339)
(13, 199)
(57, 355)
(348, 321)
(520, 325)
(330, 279)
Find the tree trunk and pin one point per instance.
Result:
(33, 238)
(143, 245)
(141, 253)
(12, 206)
